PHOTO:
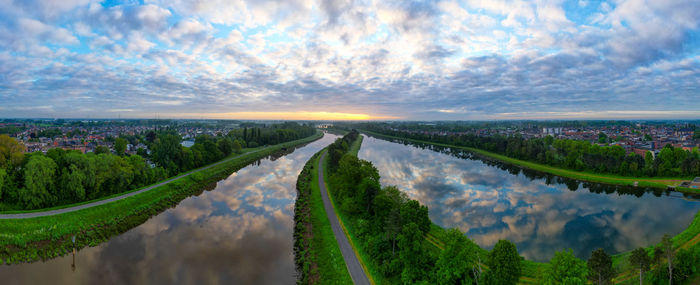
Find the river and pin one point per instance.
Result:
(238, 232)
(540, 213)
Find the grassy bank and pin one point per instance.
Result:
(656, 182)
(41, 238)
(317, 254)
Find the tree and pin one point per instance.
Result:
(414, 212)
(412, 254)
(565, 268)
(237, 146)
(72, 182)
(457, 260)
(641, 260)
(504, 263)
(3, 175)
(151, 136)
(225, 146)
(38, 184)
(669, 253)
(120, 146)
(387, 206)
(600, 267)
(602, 137)
(687, 263)
(101, 149)
(369, 188)
(11, 152)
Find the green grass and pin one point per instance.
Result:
(655, 182)
(24, 240)
(330, 260)
(355, 147)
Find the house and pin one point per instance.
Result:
(695, 184)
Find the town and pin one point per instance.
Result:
(638, 137)
(88, 135)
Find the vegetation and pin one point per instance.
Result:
(389, 230)
(59, 177)
(398, 242)
(565, 268)
(317, 255)
(504, 264)
(569, 154)
(42, 238)
(600, 267)
(640, 259)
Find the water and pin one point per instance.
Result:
(241, 232)
(540, 213)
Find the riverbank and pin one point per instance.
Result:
(43, 238)
(662, 183)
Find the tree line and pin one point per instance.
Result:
(392, 230)
(571, 154)
(59, 177)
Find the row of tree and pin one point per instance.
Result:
(665, 265)
(572, 154)
(59, 177)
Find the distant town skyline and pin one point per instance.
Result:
(350, 60)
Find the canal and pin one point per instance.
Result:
(240, 231)
(540, 213)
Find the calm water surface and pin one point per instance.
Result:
(238, 233)
(540, 215)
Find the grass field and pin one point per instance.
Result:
(655, 182)
(42, 238)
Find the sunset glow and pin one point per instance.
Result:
(301, 115)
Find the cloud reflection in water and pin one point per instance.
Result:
(238, 233)
(490, 203)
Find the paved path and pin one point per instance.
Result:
(356, 272)
(105, 201)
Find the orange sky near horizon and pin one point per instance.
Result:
(298, 115)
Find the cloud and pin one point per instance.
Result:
(387, 59)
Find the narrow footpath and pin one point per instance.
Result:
(105, 201)
(357, 274)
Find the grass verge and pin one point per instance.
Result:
(26, 240)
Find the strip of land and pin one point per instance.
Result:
(120, 197)
(663, 183)
(351, 261)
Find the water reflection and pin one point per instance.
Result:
(541, 213)
(239, 231)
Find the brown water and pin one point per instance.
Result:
(241, 232)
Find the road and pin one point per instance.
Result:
(356, 272)
(105, 201)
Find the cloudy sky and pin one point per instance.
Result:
(294, 59)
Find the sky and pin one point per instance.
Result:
(353, 60)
